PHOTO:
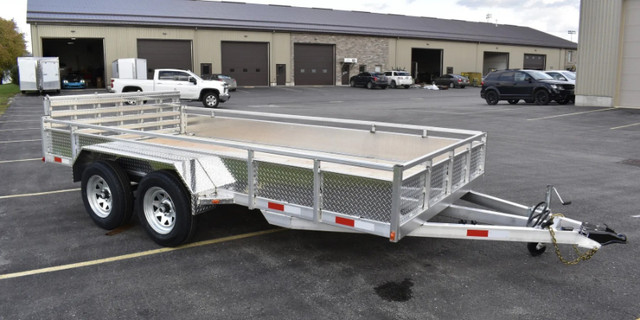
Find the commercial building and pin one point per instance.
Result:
(609, 54)
(269, 45)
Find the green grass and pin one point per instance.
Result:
(7, 91)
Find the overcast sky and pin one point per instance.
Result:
(555, 17)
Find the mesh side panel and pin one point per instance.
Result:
(412, 197)
(357, 196)
(459, 170)
(238, 169)
(438, 181)
(476, 160)
(61, 143)
(284, 183)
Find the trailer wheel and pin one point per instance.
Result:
(107, 195)
(536, 248)
(210, 100)
(164, 208)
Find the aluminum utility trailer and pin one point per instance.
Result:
(384, 179)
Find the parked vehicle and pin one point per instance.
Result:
(306, 173)
(399, 79)
(231, 82)
(190, 86)
(40, 74)
(369, 80)
(452, 81)
(73, 81)
(530, 85)
(563, 75)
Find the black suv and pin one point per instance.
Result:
(530, 85)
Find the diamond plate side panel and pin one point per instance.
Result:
(61, 143)
(284, 183)
(357, 196)
(238, 169)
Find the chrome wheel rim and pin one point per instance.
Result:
(99, 196)
(211, 100)
(159, 210)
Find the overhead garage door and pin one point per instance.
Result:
(314, 64)
(161, 54)
(247, 62)
(535, 61)
(495, 61)
(629, 94)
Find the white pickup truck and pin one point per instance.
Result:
(190, 86)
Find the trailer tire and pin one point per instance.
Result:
(210, 100)
(536, 248)
(107, 195)
(164, 208)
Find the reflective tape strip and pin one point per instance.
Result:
(488, 233)
(478, 233)
(345, 222)
(355, 224)
(276, 206)
(284, 208)
(365, 225)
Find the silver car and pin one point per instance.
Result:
(231, 82)
(563, 75)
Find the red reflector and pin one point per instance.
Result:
(345, 221)
(57, 159)
(276, 206)
(43, 159)
(477, 233)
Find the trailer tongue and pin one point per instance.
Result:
(385, 179)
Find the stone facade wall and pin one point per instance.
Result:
(370, 51)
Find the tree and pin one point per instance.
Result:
(12, 46)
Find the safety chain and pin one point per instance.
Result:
(582, 256)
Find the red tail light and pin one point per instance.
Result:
(375, 79)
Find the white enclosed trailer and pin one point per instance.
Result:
(129, 68)
(49, 74)
(40, 74)
(384, 179)
(28, 73)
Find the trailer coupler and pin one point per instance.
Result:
(602, 234)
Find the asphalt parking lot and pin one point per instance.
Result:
(56, 263)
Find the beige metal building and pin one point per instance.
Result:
(269, 45)
(609, 54)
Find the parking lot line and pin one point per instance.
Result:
(18, 141)
(20, 160)
(23, 129)
(19, 121)
(571, 114)
(134, 255)
(22, 195)
(626, 126)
